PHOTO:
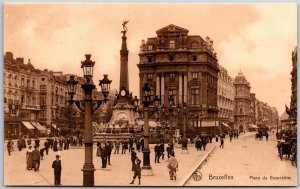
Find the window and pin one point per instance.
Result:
(150, 76)
(195, 96)
(194, 58)
(195, 75)
(43, 101)
(149, 59)
(22, 82)
(172, 75)
(22, 99)
(5, 100)
(43, 79)
(150, 47)
(172, 44)
(43, 88)
(33, 84)
(28, 83)
(43, 114)
(172, 92)
(194, 45)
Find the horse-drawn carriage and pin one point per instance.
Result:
(261, 133)
(289, 149)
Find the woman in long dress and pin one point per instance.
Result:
(29, 161)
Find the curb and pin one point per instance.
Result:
(201, 162)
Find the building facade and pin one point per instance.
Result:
(34, 99)
(293, 104)
(226, 93)
(21, 102)
(180, 65)
(242, 102)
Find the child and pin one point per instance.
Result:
(172, 166)
(137, 170)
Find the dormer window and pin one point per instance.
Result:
(172, 44)
(150, 47)
(194, 45)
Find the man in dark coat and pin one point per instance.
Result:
(108, 150)
(130, 144)
(46, 146)
(36, 157)
(133, 157)
(162, 149)
(56, 165)
(157, 153)
(124, 146)
(103, 149)
(19, 144)
(55, 147)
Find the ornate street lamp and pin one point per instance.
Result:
(146, 168)
(184, 148)
(88, 106)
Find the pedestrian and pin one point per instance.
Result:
(56, 165)
(130, 144)
(29, 158)
(124, 146)
(222, 142)
(142, 144)
(46, 147)
(9, 147)
(162, 150)
(36, 156)
(137, 170)
(19, 144)
(133, 157)
(172, 166)
(117, 146)
(170, 149)
(29, 141)
(55, 147)
(103, 154)
(37, 142)
(157, 153)
(138, 145)
(230, 137)
(267, 136)
(217, 138)
(204, 142)
(42, 153)
(109, 150)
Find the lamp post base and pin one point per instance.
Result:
(147, 171)
(88, 174)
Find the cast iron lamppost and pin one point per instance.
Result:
(146, 168)
(88, 106)
(184, 148)
(171, 108)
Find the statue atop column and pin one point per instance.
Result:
(124, 27)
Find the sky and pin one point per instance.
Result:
(257, 39)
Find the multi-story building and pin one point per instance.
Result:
(33, 99)
(226, 93)
(293, 104)
(180, 65)
(21, 102)
(253, 108)
(242, 102)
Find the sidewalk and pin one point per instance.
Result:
(117, 174)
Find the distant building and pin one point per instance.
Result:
(293, 104)
(242, 102)
(226, 94)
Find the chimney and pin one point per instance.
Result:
(20, 60)
(9, 56)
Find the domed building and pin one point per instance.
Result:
(242, 103)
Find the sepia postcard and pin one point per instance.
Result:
(99, 94)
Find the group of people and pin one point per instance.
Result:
(35, 153)
(201, 142)
(104, 149)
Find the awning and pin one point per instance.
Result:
(27, 125)
(226, 125)
(54, 126)
(253, 126)
(38, 126)
(209, 124)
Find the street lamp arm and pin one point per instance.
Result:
(97, 104)
(80, 104)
